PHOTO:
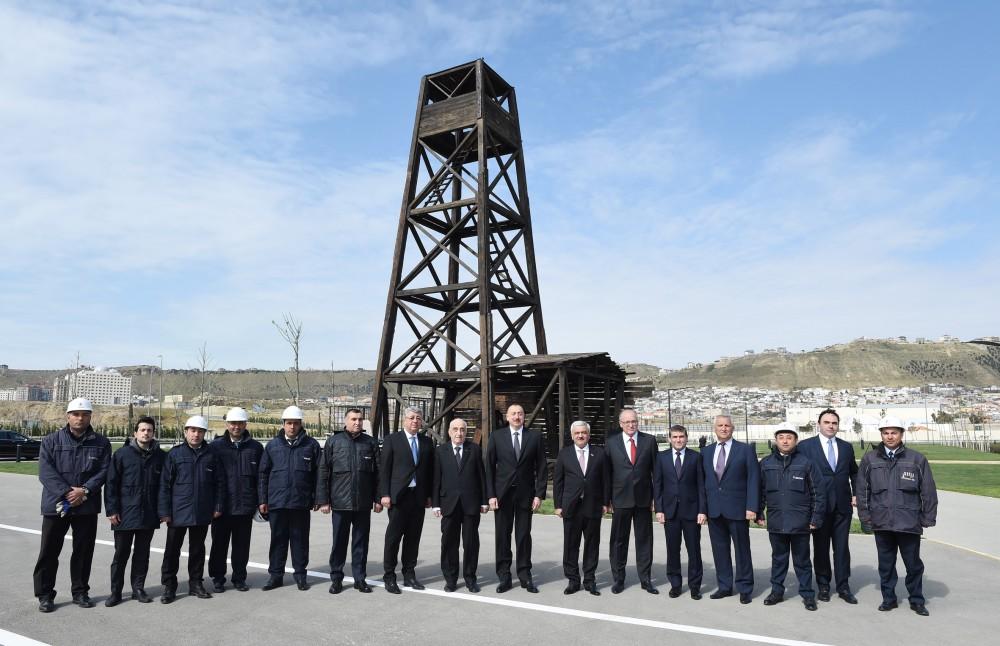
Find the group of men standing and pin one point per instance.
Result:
(801, 489)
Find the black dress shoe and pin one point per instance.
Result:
(848, 596)
(745, 598)
(648, 587)
(529, 585)
(362, 586)
(451, 586)
(810, 603)
(219, 586)
(83, 600)
(272, 583)
(412, 582)
(140, 595)
(302, 584)
(198, 590)
(886, 606)
(113, 600)
(46, 605)
(592, 589)
(472, 586)
(241, 586)
(336, 587)
(696, 595)
(721, 594)
(773, 598)
(920, 609)
(673, 593)
(392, 587)
(505, 585)
(618, 587)
(572, 588)
(823, 594)
(168, 596)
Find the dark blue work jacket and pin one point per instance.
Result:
(65, 462)
(288, 472)
(193, 486)
(133, 487)
(241, 462)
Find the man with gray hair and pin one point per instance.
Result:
(581, 490)
(405, 480)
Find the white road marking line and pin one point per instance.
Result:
(960, 547)
(8, 638)
(538, 607)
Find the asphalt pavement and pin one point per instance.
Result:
(962, 567)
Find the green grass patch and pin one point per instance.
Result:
(978, 479)
(25, 468)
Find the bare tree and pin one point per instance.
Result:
(291, 331)
(204, 359)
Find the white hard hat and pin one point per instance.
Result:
(891, 422)
(786, 427)
(196, 421)
(80, 403)
(237, 414)
(292, 412)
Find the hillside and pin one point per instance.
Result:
(850, 365)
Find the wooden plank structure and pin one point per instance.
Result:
(463, 314)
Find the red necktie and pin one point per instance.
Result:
(631, 449)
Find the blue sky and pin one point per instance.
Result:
(704, 177)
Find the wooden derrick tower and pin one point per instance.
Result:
(463, 292)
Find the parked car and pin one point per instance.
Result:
(11, 440)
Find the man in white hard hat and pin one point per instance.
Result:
(72, 467)
(287, 494)
(240, 455)
(897, 497)
(192, 493)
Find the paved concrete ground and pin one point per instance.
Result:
(960, 587)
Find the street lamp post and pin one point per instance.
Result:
(746, 422)
(159, 416)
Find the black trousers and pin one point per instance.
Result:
(140, 559)
(798, 546)
(225, 529)
(908, 546)
(589, 529)
(511, 518)
(172, 554)
(406, 523)
(623, 522)
(835, 531)
(355, 525)
(289, 530)
(54, 530)
(690, 532)
(465, 527)
(722, 532)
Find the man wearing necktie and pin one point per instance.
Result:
(516, 476)
(679, 496)
(580, 492)
(835, 459)
(632, 458)
(732, 493)
(405, 480)
(458, 497)
(897, 497)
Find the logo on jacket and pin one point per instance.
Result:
(909, 475)
(795, 477)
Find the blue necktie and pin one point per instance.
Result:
(830, 455)
(413, 449)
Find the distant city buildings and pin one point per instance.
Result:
(30, 393)
(103, 386)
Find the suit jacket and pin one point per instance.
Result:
(679, 498)
(527, 474)
(397, 468)
(840, 483)
(459, 488)
(632, 484)
(574, 491)
(739, 490)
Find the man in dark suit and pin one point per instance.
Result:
(515, 485)
(631, 460)
(406, 476)
(581, 489)
(732, 491)
(458, 498)
(835, 459)
(679, 495)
